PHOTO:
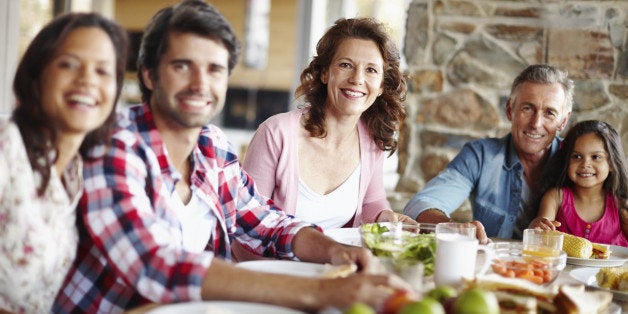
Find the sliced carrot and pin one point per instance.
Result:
(539, 264)
(535, 279)
(537, 271)
(521, 273)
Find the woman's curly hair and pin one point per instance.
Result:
(383, 119)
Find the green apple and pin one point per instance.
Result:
(426, 306)
(442, 293)
(476, 301)
(359, 308)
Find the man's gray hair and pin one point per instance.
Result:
(546, 74)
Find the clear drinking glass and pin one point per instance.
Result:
(542, 243)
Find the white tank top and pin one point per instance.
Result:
(332, 210)
(198, 223)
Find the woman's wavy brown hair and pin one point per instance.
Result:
(37, 132)
(383, 119)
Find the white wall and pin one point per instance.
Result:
(9, 32)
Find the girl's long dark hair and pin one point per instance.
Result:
(37, 132)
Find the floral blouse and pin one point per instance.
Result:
(38, 236)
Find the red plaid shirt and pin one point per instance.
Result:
(130, 249)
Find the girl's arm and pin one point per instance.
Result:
(550, 204)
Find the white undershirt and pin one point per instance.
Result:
(332, 210)
(197, 222)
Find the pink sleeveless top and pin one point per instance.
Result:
(606, 230)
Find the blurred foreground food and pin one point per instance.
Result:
(614, 278)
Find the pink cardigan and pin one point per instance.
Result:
(271, 159)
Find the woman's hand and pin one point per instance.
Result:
(391, 216)
(544, 223)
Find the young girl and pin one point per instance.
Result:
(590, 199)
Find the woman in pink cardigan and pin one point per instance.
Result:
(323, 163)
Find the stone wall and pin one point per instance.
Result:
(463, 55)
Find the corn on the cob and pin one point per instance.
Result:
(612, 277)
(576, 246)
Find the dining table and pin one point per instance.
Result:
(565, 277)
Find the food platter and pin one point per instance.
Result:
(618, 257)
(586, 275)
(222, 307)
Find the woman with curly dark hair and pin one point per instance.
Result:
(324, 161)
(66, 86)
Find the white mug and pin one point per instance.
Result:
(456, 253)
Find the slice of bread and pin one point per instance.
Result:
(339, 271)
(573, 299)
(494, 282)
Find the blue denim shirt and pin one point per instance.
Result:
(489, 173)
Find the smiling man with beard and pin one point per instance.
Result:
(502, 176)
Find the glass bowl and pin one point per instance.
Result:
(400, 245)
(510, 261)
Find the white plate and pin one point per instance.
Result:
(586, 275)
(619, 255)
(221, 307)
(350, 236)
(302, 269)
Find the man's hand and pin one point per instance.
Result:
(310, 245)
(373, 290)
(480, 233)
(225, 281)
(346, 254)
(434, 216)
